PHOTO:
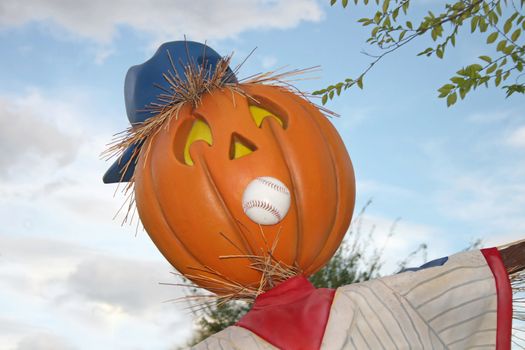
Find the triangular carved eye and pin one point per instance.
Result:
(240, 147)
(259, 114)
(191, 131)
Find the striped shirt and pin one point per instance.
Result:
(453, 306)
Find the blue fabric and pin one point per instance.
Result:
(115, 171)
(433, 263)
(144, 83)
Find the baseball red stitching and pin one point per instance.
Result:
(273, 185)
(263, 205)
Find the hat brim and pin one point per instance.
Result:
(120, 171)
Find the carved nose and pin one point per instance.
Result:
(240, 146)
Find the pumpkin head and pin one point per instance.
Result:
(192, 172)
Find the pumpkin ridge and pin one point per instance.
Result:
(163, 214)
(211, 181)
(297, 203)
(337, 181)
(320, 261)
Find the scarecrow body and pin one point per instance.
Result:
(465, 303)
(199, 139)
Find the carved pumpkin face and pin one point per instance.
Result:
(189, 183)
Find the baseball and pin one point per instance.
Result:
(266, 200)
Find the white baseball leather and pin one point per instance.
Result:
(266, 200)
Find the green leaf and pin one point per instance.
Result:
(475, 67)
(520, 88)
(359, 82)
(386, 4)
(332, 2)
(409, 25)
(495, 18)
(507, 26)
(457, 80)
(377, 17)
(446, 88)
(462, 93)
(497, 81)
(483, 26)
(508, 50)
(427, 51)
(458, 6)
(492, 37)
(516, 34)
(451, 99)
(513, 17)
(395, 13)
(439, 52)
(324, 99)
(344, 3)
(501, 45)
(405, 6)
(474, 23)
(434, 34)
(486, 59)
(492, 68)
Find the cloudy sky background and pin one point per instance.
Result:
(72, 278)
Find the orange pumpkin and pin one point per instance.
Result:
(190, 178)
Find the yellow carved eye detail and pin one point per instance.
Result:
(258, 115)
(200, 131)
(240, 147)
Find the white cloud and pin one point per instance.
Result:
(371, 188)
(517, 137)
(92, 278)
(395, 240)
(352, 116)
(58, 292)
(131, 285)
(268, 62)
(50, 155)
(488, 117)
(30, 134)
(479, 184)
(44, 341)
(163, 19)
(495, 200)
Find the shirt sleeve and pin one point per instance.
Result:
(452, 306)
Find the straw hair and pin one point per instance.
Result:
(224, 289)
(189, 89)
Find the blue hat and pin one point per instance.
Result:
(144, 83)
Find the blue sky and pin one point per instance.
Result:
(72, 278)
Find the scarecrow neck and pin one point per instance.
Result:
(296, 309)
